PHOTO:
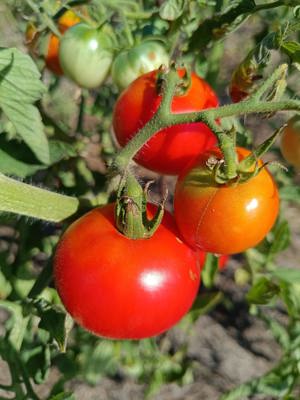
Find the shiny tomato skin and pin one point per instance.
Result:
(122, 288)
(171, 149)
(224, 219)
(68, 19)
(290, 142)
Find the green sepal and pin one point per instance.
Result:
(131, 211)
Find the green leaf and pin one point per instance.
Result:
(55, 321)
(12, 166)
(281, 238)
(20, 87)
(209, 270)
(292, 49)
(19, 323)
(288, 275)
(203, 304)
(60, 151)
(262, 292)
(290, 193)
(63, 396)
(220, 24)
(171, 9)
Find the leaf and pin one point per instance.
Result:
(292, 49)
(20, 86)
(12, 166)
(281, 238)
(262, 292)
(288, 275)
(55, 321)
(290, 193)
(220, 24)
(19, 323)
(171, 9)
(64, 396)
(209, 270)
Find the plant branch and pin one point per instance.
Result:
(21, 198)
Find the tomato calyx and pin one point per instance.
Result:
(131, 210)
(182, 86)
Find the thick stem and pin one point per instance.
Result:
(24, 199)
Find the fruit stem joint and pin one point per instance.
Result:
(131, 211)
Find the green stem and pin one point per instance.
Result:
(21, 198)
(268, 6)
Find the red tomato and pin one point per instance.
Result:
(169, 151)
(224, 219)
(68, 19)
(122, 288)
(290, 142)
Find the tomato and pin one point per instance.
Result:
(224, 219)
(85, 54)
(122, 288)
(169, 151)
(68, 19)
(290, 141)
(132, 63)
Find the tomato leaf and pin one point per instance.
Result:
(281, 238)
(288, 275)
(63, 396)
(171, 9)
(220, 24)
(290, 193)
(12, 166)
(262, 292)
(20, 87)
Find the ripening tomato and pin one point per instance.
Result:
(171, 149)
(121, 288)
(130, 64)
(85, 54)
(290, 142)
(68, 19)
(228, 218)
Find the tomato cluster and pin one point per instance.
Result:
(124, 288)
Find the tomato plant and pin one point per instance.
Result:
(130, 64)
(172, 148)
(224, 219)
(122, 288)
(290, 142)
(85, 54)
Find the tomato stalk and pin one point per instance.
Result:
(164, 118)
(131, 211)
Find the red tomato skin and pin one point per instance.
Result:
(121, 288)
(171, 149)
(223, 219)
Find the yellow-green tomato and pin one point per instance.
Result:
(85, 55)
(132, 63)
(290, 142)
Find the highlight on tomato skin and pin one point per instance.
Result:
(290, 142)
(224, 219)
(171, 149)
(121, 288)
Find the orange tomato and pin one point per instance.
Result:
(228, 218)
(290, 142)
(68, 19)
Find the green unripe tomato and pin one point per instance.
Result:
(85, 55)
(132, 63)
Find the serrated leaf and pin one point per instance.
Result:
(20, 87)
(262, 292)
